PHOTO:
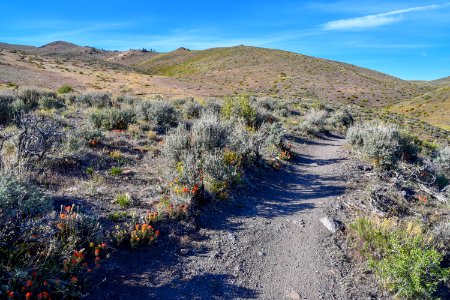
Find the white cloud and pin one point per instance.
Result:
(370, 21)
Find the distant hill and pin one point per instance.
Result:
(432, 107)
(274, 72)
(61, 47)
(220, 72)
(441, 81)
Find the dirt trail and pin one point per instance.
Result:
(268, 244)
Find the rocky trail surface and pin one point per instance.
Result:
(268, 243)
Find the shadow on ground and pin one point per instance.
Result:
(157, 272)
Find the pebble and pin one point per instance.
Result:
(293, 295)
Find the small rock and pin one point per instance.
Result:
(365, 168)
(293, 295)
(314, 165)
(329, 224)
(184, 251)
(127, 172)
(260, 253)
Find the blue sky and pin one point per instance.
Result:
(407, 39)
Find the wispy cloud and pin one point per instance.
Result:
(370, 21)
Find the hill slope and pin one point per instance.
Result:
(274, 72)
(432, 107)
(441, 81)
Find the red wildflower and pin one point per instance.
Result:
(10, 294)
(103, 246)
(62, 215)
(157, 232)
(28, 295)
(195, 189)
(43, 295)
(185, 190)
(422, 199)
(97, 252)
(29, 283)
(78, 254)
(97, 259)
(74, 279)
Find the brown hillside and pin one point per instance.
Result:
(273, 72)
(432, 107)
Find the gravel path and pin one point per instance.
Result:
(267, 244)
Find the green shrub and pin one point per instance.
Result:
(123, 200)
(21, 199)
(315, 122)
(252, 145)
(381, 144)
(177, 142)
(267, 103)
(30, 97)
(98, 100)
(115, 171)
(442, 159)
(192, 109)
(239, 108)
(213, 106)
(402, 257)
(6, 113)
(341, 120)
(64, 89)
(160, 112)
(49, 103)
(113, 118)
(209, 133)
(213, 153)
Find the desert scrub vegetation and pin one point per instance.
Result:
(107, 155)
(192, 109)
(44, 254)
(113, 118)
(161, 113)
(30, 143)
(403, 257)
(323, 120)
(404, 235)
(64, 89)
(442, 161)
(97, 100)
(382, 145)
(210, 156)
(14, 103)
